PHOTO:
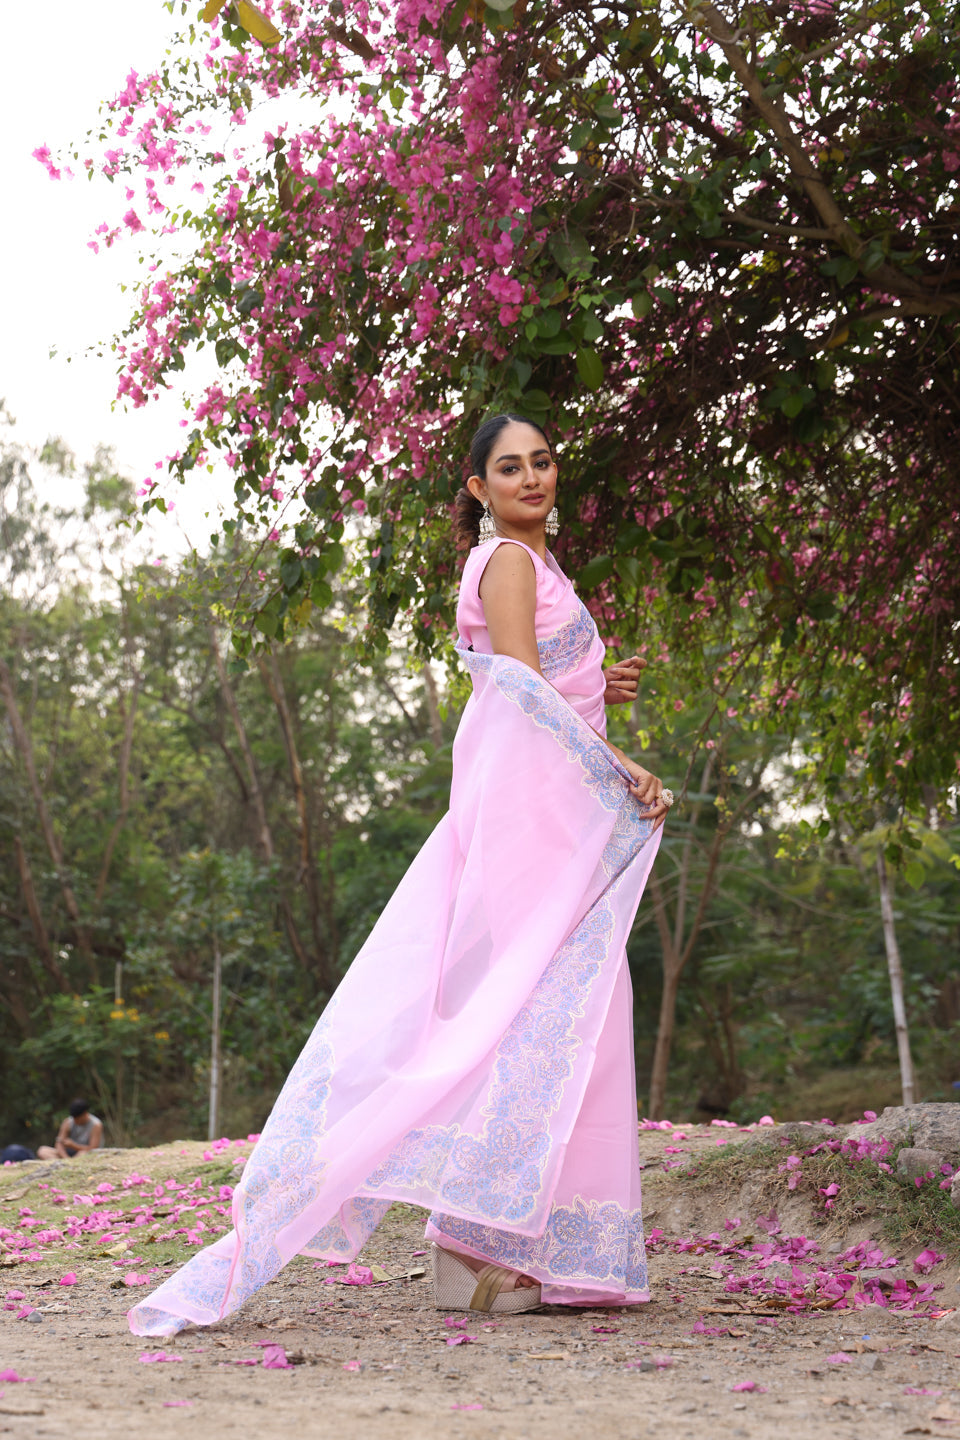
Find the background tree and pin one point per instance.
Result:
(715, 247)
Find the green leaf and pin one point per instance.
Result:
(562, 344)
(590, 368)
(595, 571)
(628, 568)
(290, 573)
(572, 252)
(536, 401)
(914, 874)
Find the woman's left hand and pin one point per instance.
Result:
(621, 681)
(647, 789)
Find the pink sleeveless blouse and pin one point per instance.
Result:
(571, 651)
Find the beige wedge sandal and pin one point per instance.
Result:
(457, 1287)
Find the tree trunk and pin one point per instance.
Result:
(665, 1027)
(264, 837)
(433, 706)
(41, 938)
(307, 872)
(214, 1116)
(22, 744)
(128, 715)
(896, 982)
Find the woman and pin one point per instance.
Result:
(477, 1058)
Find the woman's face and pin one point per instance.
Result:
(521, 480)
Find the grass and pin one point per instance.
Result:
(906, 1216)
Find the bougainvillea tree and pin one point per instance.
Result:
(714, 247)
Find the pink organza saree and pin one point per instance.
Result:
(477, 1058)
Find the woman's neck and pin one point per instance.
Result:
(535, 540)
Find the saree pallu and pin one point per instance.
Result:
(477, 1058)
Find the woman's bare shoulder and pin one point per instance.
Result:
(509, 570)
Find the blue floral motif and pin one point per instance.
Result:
(349, 1229)
(567, 648)
(595, 1244)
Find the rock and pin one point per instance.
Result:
(928, 1127)
(913, 1162)
(871, 1362)
(950, 1321)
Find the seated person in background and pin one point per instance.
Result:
(79, 1132)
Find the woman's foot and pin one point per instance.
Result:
(515, 1282)
(461, 1282)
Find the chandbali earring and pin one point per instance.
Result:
(553, 522)
(487, 526)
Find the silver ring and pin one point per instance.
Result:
(667, 797)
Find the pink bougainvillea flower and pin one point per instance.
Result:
(159, 1357)
(749, 1387)
(925, 1261)
(10, 1377)
(461, 1339)
(352, 1365)
(68, 1279)
(275, 1358)
(453, 1323)
(838, 1359)
(357, 1275)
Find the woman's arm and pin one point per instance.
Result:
(508, 593)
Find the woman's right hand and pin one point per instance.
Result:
(647, 789)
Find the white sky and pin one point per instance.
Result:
(62, 60)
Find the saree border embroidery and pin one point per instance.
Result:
(589, 1242)
(567, 647)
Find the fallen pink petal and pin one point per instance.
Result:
(461, 1339)
(838, 1359)
(275, 1358)
(170, 1403)
(466, 1407)
(749, 1387)
(10, 1377)
(352, 1365)
(159, 1357)
(68, 1279)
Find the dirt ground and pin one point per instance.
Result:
(375, 1360)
